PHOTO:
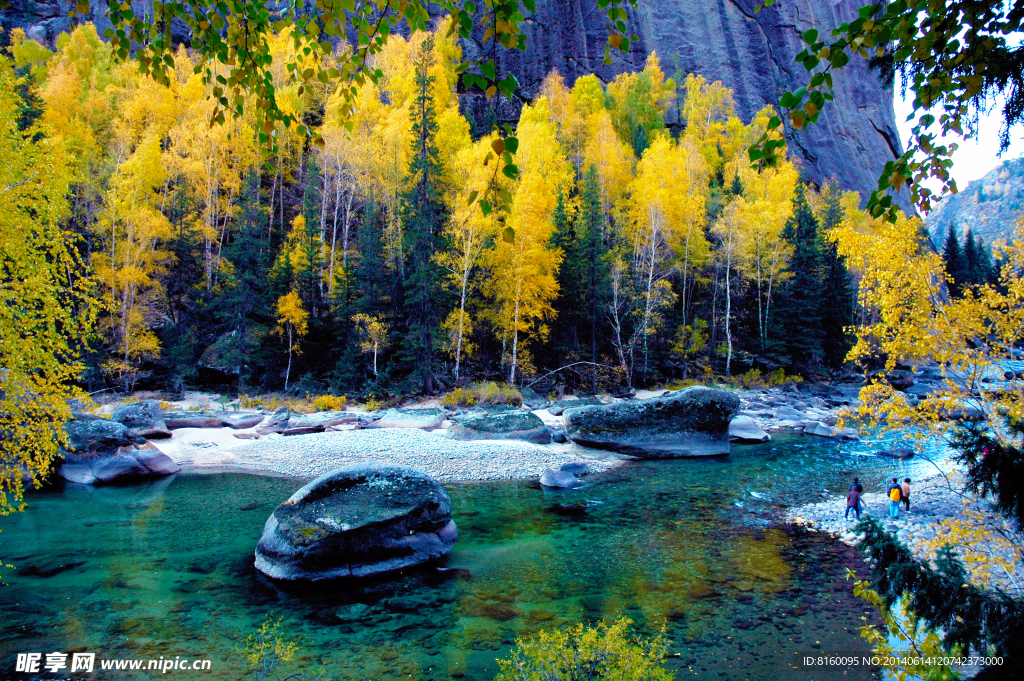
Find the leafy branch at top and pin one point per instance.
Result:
(953, 56)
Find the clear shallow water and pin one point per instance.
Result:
(165, 569)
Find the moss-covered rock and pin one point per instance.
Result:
(510, 425)
(691, 422)
(357, 521)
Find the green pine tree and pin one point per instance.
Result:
(837, 298)
(955, 260)
(800, 303)
(423, 217)
(246, 294)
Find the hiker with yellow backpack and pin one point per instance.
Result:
(895, 497)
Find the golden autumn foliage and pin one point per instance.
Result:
(49, 306)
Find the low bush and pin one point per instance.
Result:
(489, 393)
(579, 652)
(329, 403)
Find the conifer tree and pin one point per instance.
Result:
(245, 293)
(801, 300)
(837, 299)
(422, 217)
(955, 260)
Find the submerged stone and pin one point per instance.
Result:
(357, 521)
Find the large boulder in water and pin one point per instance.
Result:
(511, 425)
(105, 451)
(143, 418)
(357, 521)
(691, 422)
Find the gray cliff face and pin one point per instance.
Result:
(751, 53)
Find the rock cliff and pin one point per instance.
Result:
(750, 52)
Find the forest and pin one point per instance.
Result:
(636, 245)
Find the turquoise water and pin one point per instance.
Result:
(165, 569)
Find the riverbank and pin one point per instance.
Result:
(939, 513)
(308, 456)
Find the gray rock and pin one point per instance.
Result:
(275, 423)
(426, 419)
(105, 451)
(353, 613)
(156, 461)
(301, 424)
(193, 419)
(848, 434)
(558, 436)
(558, 407)
(819, 429)
(119, 467)
(559, 479)
(898, 453)
(788, 413)
(143, 418)
(575, 467)
(80, 473)
(247, 436)
(241, 421)
(745, 429)
(532, 399)
(513, 425)
(357, 521)
(98, 437)
(691, 422)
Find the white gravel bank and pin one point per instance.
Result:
(307, 456)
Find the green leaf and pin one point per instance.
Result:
(508, 235)
(810, 35)
(472, 197)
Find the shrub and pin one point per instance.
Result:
(372, 404)
(329, 403)
(247, 402)
(579, 652)
(499, 393)
(460, 397)
(483, 393)
(165, 405)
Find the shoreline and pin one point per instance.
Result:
(308, 456)
(935, 502)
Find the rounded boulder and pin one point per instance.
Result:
(357, 521)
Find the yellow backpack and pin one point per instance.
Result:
(895, 494)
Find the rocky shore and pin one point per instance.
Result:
(936, 504)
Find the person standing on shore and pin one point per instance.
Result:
(859, 488)
(895, 496)
(853, 502)
(906, 494)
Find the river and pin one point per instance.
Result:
(166, 569)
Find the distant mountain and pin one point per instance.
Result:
(988, 207)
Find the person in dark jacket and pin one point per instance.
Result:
(859, 488)
(852, 502)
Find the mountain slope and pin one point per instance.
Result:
(988, 207)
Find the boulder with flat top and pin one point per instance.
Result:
(357, 521)
(690, 422)
(510, 425)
